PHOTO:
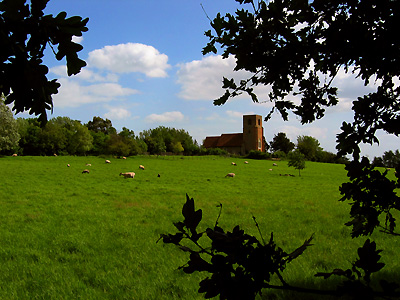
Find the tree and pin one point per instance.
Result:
(291, 45)
(100, 125)
(9, 135)
(24, 34)
(297, 160)
(298, 47)
(80, 141)
(280, 142)
(391, 159)
(30, 131)
(309, 146)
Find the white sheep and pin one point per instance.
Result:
(68, 165)
(85, 171)
(124, 157)
(108, 162)
(88, 165)
(141, 167)
(128, 174)
(230, 175)
(233, 164)
(274, 164)
(14, 155)
(246, 162)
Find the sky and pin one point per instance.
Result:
(145, 69)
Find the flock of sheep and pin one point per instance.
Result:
(126, 174)
(141, 167)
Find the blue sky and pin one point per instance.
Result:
(145, 69)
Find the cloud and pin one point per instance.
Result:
(293, 132)
(130, 57)
(72, 94)
(77, 39)
(202, 79)
(117, 113)
(165, 117)
(237, 114)
(86, 74)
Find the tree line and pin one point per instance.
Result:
(65, 136)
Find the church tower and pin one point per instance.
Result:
(253, 133)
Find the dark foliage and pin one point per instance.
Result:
(24, 34)
(240, 266)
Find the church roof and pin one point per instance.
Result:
(225, 140)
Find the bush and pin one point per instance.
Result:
(279, 154)
(255, 154)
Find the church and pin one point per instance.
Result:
(252, 138)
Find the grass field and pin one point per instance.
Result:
(68, 235)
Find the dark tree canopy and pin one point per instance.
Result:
(298, 47)
(25, 32)
(281, 142)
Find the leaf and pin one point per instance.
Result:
(299, 251)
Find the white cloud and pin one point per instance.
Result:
(237, 114)
(77, 39)
(130, 57)
(117, 113)
(85, 74)
(293, 132)
(72, 94)
(202, 79)
(165, 117)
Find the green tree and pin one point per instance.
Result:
(297, 160)
(30, 131)
(100, 125)
(118, 145)
(391, 159)
(9, 135)
(281, 142)
(25, 32)
(177, 147)
(80, 141)
(309, 146)
(54, 136)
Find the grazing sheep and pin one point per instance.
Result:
(108, 162)
(14, 155)
(85, 171)
(274, 164)
(230, 175)
(141, 167)
(68, 165)
(88, 165)
(246, 162)
(269, 169)
(54, 154)
(233, 164)
(124, 157)
(128, 174)
(158, 175)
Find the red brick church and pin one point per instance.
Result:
(252, 138)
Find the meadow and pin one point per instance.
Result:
(68, 235)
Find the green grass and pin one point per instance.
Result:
(68, 235)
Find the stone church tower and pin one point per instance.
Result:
(253, 133)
